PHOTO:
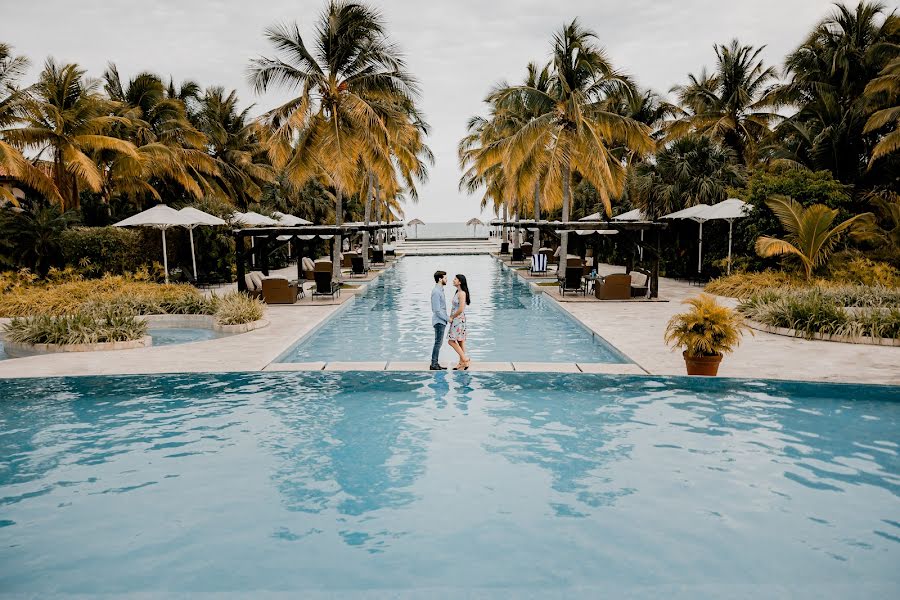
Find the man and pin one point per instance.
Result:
(439, 317)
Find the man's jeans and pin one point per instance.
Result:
(438, 340)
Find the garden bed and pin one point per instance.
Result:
(827, 337)
(18, 350)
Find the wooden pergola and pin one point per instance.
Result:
(628, 230)
(268, 239)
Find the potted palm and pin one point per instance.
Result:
(706, 332)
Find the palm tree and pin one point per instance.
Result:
(171, 151)
(11, 160)
(810, 234)
(575, 132)
(350, 80)
(826, 80)
(728, 105)
(236, 145)
(691, 170)
(65, 115)
(886, 86)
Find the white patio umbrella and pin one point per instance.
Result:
(415, 223)
(474, 222)
(200, 218)
(161, 217)
(252, 219)
(694, 213)
(290, 220)
(728, 210)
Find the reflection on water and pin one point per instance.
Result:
(359, 481)
(506, 321)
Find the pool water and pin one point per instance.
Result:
(446, 485)
(167, 336)
(506, 320)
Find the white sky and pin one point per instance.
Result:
(458, 49)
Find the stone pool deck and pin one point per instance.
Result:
(635, 328)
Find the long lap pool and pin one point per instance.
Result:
(448, 485)
(507, 322)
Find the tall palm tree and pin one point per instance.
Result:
(171, 151)
(728, 105)
(237, 147)
(575, 131)
(691, 170)
(886, 89)
(810, 234)
(12, 161)
(826, 78)
(349, 80)
(66, 116)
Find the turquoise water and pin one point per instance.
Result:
(506, 321)
(447, 485)
(167, 336)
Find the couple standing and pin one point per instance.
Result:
(456, 321)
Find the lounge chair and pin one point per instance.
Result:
(504, 247)
(527, 249)
(278, 290)
(347, 259)
(358, 267)
(538, 263)
(377, 257)
(573, 281)
(613, 287)
(253, 280)
(517, 255)
(309, 267)
(325, 284)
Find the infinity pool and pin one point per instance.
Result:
(506, 321)
(446, 485)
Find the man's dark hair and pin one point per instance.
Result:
(438, 275)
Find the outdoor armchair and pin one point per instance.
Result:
(613, 287)
(278, 290)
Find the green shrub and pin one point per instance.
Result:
(744, 285)
(98, 250)
(864, 271)
(89, 326)
(236, 308)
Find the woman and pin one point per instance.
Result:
(457, 323)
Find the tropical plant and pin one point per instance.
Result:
(810, 234)
(575, 132)
(887, 87)
(84, 327)
(12, 162)
(691, 170)
(65, 115)
(826, 78)
(354, 87)
(706, 329)
(727, 105)
(236, 308)
(33, 235)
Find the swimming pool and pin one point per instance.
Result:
(167, 336)
(442, 485)
(506, 321)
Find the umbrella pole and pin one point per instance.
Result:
(193, 254)
(165, 255)
(253, 253)
(641, 249)
(700, 251)
(730, 223)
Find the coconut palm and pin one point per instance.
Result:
(236, 145)
(66, 116)
(11, 160)
(728, 105)
(811, 233)
(576, 132)
(826, 80)
(691, 170)
(349, 81)
(887, 87)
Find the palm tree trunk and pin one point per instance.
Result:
(536, 245)
(380, 213)
(503, 227)
(564, 236)
(338, 220)
(516, 235)
(367, 219)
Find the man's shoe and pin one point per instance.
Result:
(437, 368)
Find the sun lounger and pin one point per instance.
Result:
(325, 284)
(517, 255)
(504, 247)
(573, 281)
(377, 257)
(640, 283)
(358, 267)
(253, 280)
(538, 264)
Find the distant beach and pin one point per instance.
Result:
(447, 231)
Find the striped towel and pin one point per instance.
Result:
(538, 263)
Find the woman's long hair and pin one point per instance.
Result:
(464, 286)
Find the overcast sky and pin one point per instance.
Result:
(456, 48)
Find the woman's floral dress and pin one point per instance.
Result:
(458, 326)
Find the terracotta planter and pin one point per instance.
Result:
(702, 365)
